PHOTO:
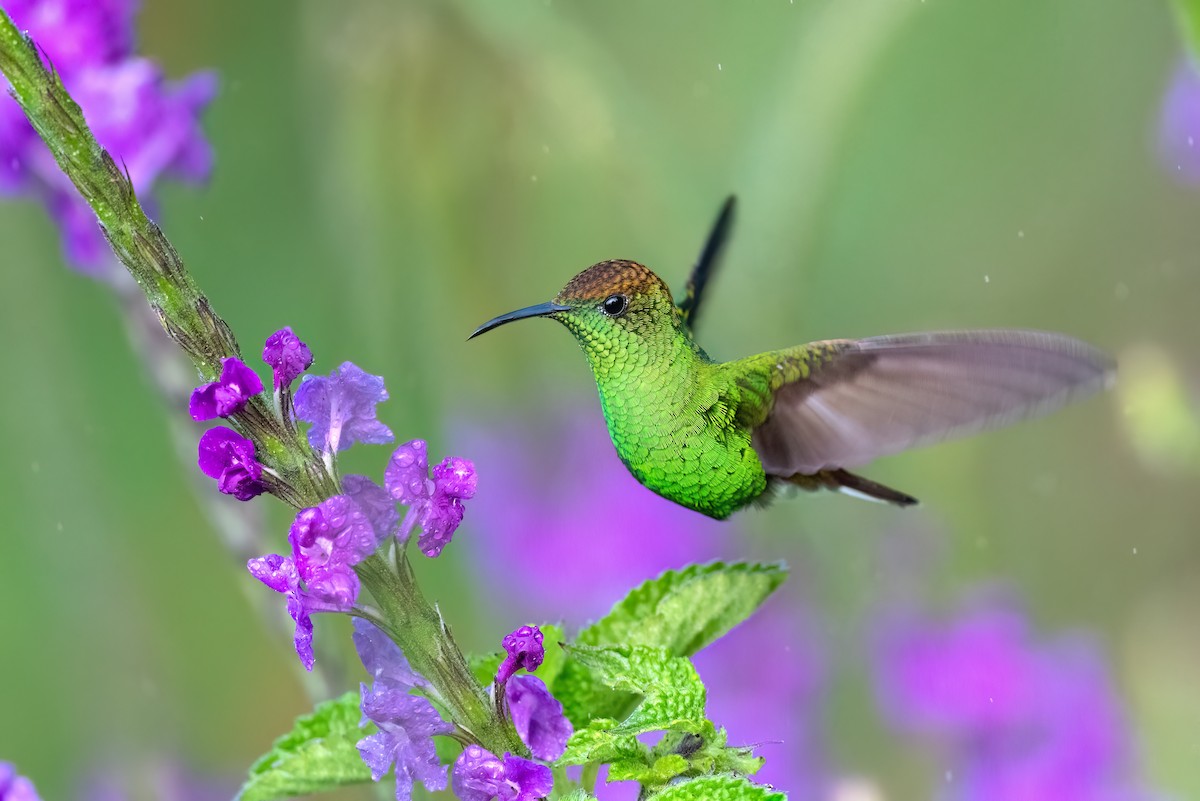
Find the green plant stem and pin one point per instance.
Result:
(425, 639)
(180, 306)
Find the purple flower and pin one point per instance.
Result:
(1026, 720)
(14, 787)
(279, 573)
(435, 504)
(228, 394)
(538, 717)
(341, 408)
(481, 776)
(1179, 125)
(375, 503)
(327, 541)
(523, 649)
(229, 457)
(148, 125)
(287, 355)
(407, 722)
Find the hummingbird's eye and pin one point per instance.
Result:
(614, 304)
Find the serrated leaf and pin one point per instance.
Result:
(317, 755)
(597, 743)
(484, 666)
(718, 788)
(672, 694)
(661, 771)
(685, 610)
(681, 610)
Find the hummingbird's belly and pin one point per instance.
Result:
(713, 475)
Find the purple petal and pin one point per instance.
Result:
(277, 572)
(407, 473)
(439, 520)
(341, 408)
(455, 478)
(382, 658)
(480, 776)
(375, 503)
(407, 724)
(77, 33)
(527, 781)
(229, 458)
(287, 356)
(327, 541)
(523, 649)
(477, 775)
(228, 394)
(538, 717)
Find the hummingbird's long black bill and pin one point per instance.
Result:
(540, 310)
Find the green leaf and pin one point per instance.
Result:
(685, 610)
(672, 694)
(318, 754)
(579, 795)
(661, 771)
(681, 611)
(718, 788)
(597, 743)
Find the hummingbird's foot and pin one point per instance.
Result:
(846, 482)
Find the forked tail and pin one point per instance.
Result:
(844, 481)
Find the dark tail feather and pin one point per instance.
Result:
(845, 481)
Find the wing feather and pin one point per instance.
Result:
(883, 395)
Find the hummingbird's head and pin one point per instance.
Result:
(613, 307)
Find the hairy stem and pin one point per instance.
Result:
(417, 627)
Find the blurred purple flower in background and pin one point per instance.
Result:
(14, 787)
(1179, 124)
(149, 125)
(1020, 719)
(160, 779)
(562, 528)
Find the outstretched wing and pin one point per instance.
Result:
(872, 397)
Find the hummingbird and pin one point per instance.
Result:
(717, 436)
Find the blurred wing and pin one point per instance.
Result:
(883, 395)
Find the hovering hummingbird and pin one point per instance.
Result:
(716, 436)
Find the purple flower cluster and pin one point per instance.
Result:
(328, 539)
(1024, 719)
(407, 723)
(14, 787)
(434, 503)
(148, 124)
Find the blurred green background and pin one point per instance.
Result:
(392, 174)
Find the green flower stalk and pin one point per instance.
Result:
(288, 466)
